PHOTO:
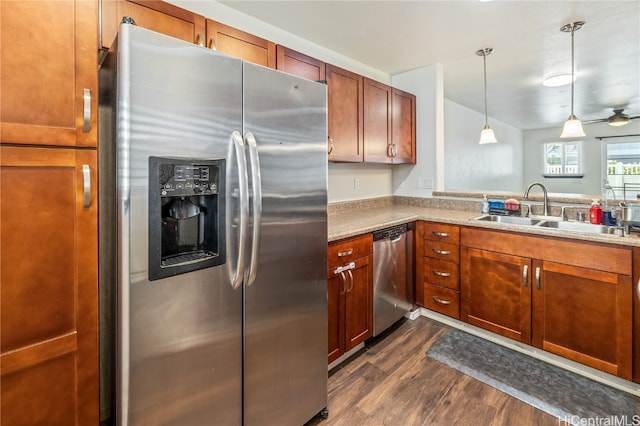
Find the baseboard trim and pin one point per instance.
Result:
(583, 370)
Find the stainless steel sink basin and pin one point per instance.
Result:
(578, 226)
(516, 220)
(546, 223)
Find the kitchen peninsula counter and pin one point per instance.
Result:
(359, 217)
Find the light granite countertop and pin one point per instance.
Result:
(349, 220)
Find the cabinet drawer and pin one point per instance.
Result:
(443, 300)
(442, 273)
(441, 232)
(349, 250)
(443, 251)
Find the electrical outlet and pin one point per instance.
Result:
(428, 183)
(356, 183)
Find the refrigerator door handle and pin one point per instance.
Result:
(237, 274)
(256, 184)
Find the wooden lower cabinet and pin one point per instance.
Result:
(581, 309)
(437, 269)
(496, 293)
(584, 315)
(636, 314)
(350, 298)
(49, 287)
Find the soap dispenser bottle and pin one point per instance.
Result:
(485, 205)
(595, 213)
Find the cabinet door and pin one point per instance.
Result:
(344, 105)
(377, 122)
(496, 292)
(403, 127)
(359, 303)
(296, 63)
(229, 40)
(336, 289)
(49, 56)
(154, 15)
(584, 315)
(49, 287)
(636, 314)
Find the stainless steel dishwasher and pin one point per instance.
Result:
(392, 275)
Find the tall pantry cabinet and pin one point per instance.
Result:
(48, 212)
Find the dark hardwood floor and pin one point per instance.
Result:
(393, 382)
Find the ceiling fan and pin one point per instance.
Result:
(619, 118)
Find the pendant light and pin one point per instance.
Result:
(572, 127)
(487, 135)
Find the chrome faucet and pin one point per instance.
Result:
(544, 191)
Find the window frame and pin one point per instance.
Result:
(563, 165)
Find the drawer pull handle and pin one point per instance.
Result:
(345, 253)
(441, 301)
(350, 279)
(538, 278)
(441, 274)
(440, 234)
(525, 275)
(442, 252)
(638, 289)
(344, 283)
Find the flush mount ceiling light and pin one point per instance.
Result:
(487, 135)
(557, 80)
(572, 127)
(618, 118)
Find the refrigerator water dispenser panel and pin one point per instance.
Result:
(186, 215)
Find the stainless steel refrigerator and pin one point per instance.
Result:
(217, 221)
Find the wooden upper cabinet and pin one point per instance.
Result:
(377, 122)
(154, 15)
(49, 73)
(296, 63)
(232, 41)
(345, 115)
(48, 286)
(403, 127)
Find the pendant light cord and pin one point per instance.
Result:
(572, 67)
(486, 120)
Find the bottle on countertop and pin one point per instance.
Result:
(485, 205)
(595, 213)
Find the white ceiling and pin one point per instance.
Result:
(395, 36)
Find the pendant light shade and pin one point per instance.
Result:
(572, 127)
(487, 135)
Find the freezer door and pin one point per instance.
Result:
(285, 378)
(179, 338)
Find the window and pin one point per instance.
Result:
(563, 159)
(623, 169)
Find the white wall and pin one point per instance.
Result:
(421, 179)
(473, 167)
(592, 154)
(217, 11)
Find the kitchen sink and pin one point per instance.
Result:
(516, 220)
(553, 224)
(578, 226)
